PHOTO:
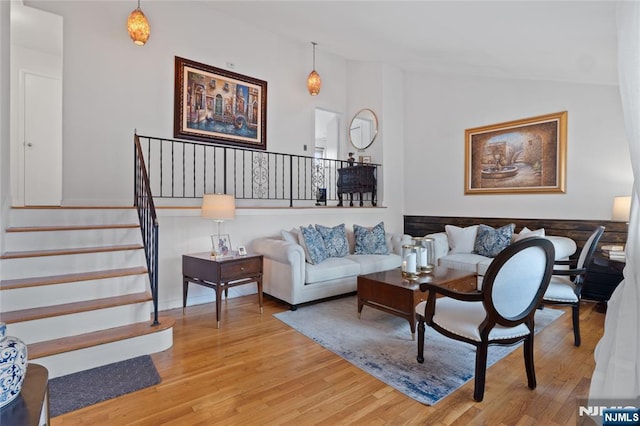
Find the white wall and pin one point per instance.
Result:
(112, 87)
(5, 199)
(183, 231)
(439, 108)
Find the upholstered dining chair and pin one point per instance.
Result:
(502, 313)
(565, 285)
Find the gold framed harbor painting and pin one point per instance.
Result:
(521, 156)
(219, 106)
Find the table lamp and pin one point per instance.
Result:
(621, 209)
(219, 207)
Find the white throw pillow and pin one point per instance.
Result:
(295, 236)
(290, 236)
(461, 240)
(526, 233)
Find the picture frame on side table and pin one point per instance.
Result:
(364, 159)
(221, 245)
(219, 106)
(242, 251)
(517, 157)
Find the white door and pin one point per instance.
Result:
(42, 140)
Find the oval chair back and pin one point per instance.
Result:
(516, 281)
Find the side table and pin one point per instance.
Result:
(221, 273)
(603, 276)
(31, 407)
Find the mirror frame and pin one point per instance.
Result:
(360, 114)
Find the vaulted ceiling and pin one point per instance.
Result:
(544, 40)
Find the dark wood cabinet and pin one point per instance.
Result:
(603, 276)
(357, 179)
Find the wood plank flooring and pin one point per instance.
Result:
(255, 370)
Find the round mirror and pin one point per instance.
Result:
(363, 129)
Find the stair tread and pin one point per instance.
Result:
(81, 341)
(67, 278)
(66, 251)
(71, 308)
(70, 227)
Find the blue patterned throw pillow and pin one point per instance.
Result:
(490, 242)
(335, 240)
(315, 244)
(370, 241)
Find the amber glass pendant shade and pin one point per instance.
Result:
(313, 81)
(138, 27)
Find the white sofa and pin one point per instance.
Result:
(288, 277)
(447, 255)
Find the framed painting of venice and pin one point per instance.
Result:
(521, 156)
(219, 106)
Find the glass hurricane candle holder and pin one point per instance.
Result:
(409, 265)
(426, 254)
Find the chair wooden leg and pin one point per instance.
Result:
(420, 357)
(576, 323)
(528, 361)
(481, 371)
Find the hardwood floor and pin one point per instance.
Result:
(257, 370)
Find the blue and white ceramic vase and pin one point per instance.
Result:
(13, 366)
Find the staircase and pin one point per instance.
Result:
(74, 287)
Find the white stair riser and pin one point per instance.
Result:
(51, 217)
(79, 323)
(48, 240)
(69, 264)
(96, 356)
(56, 294)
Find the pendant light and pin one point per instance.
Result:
(313, 81)
(138, 27)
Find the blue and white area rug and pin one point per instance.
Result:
(380, 344)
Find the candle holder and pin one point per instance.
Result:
(409, 266)
(425, 253)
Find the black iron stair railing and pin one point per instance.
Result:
(143, 201)
(189, 169)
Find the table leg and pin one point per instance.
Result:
(420, 356)
(412, 324)
(360, 306)
(361, 201)
(185, 289)
(218, 302)
(259, 282)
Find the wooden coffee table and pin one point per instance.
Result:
(389, 292)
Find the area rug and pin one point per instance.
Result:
(380, 344)
(84, 388)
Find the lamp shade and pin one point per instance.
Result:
(314, 83)
(138, 27)
(218, 206)
(621, 209)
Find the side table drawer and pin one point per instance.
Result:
(241, 269)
